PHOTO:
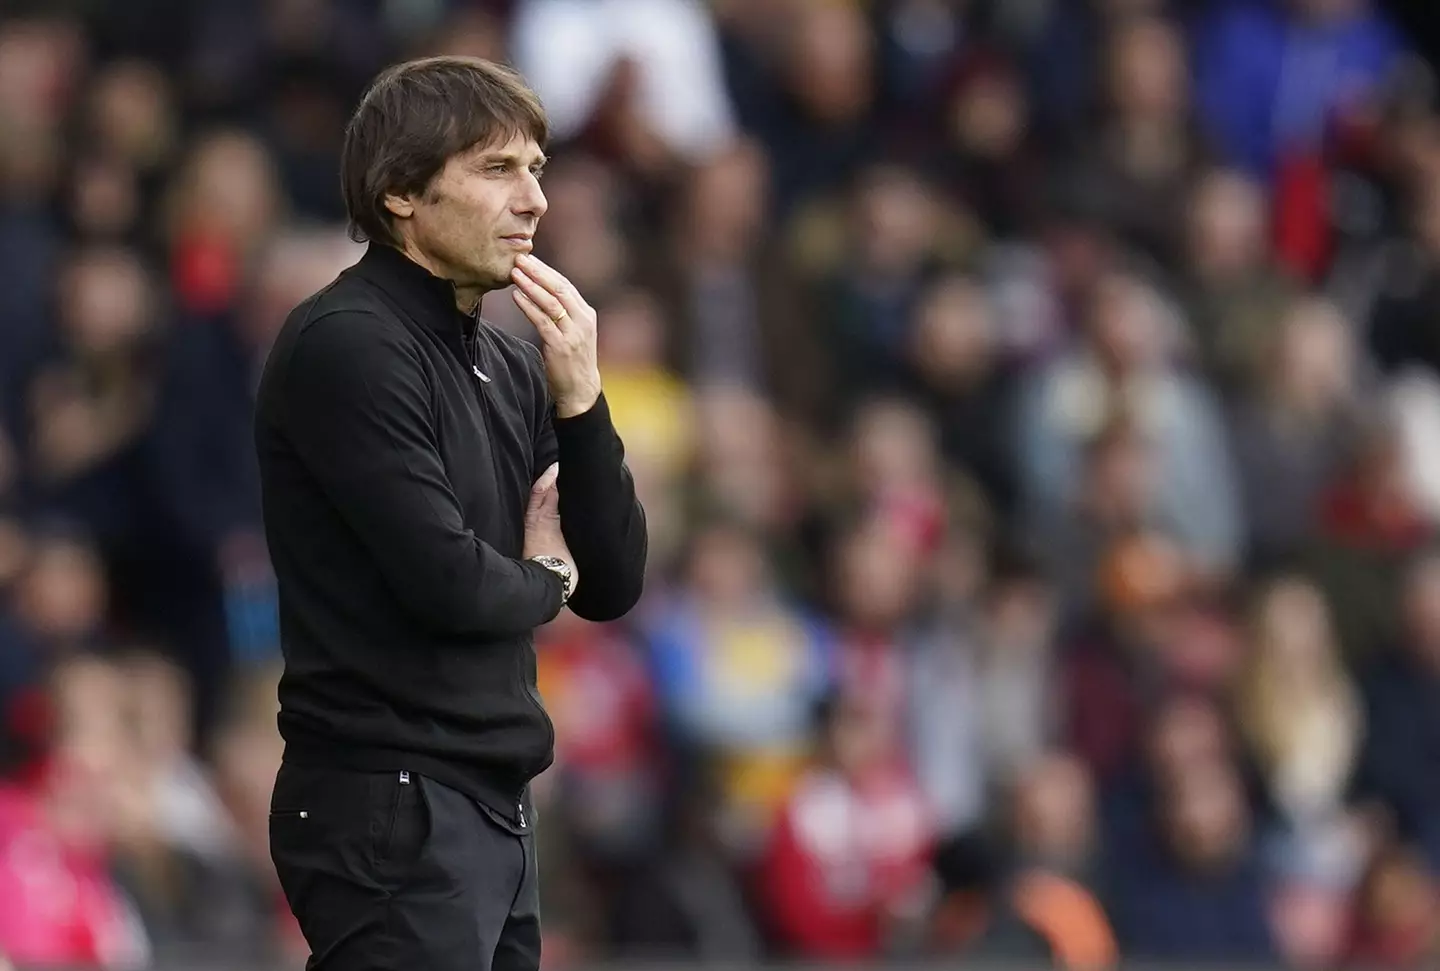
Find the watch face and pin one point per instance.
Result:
(560, 568)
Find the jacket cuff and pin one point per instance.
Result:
(594, 424)
(554, 587)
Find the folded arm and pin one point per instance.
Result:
(357, 409)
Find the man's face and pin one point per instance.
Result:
(479, 213)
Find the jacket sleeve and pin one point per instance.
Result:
(358, 411)
(603, 521)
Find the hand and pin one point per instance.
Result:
(542, 523)
(566, 325)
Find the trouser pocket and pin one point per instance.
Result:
(367, 828)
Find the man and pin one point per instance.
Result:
(420, 533)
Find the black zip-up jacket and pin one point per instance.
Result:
(398, 441)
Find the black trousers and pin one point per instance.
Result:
(392, 870)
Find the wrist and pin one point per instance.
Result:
(561, 569)
(576, 404)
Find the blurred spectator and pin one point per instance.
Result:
(712, 264)
(1368, 524)
(652, 409)
(131, 116)
(1395, 925)
(991, 157)
(1397, 765)
(608, 755)
(875, 593)
(1275, 79)
(583, 229)
(1303, 721)
(60, 905)
(1277, 85)
(894, 225)
(953, 370)
(58, 609)
(1047, 908)
(743, 469)
(981, 689)
(89, 399)
(1020, 621)
(917, 41)
(1235, 295)
(1114, 501)
(1291, 433)
(604, 796)
(223, 203)
(1125, 367)
(247, 753)
(1065, 57)
(1117, 665)
(688, 902)
(738, 669)
(896, 476)
(1146, 148)
(846, 871)
(1299, 711)
(1409, 287)
(729, 285)
(1193, 886)
(817, 93)
(646, 72)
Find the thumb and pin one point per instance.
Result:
(546, 480)
(543, 501)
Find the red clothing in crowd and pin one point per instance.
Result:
(842, 855)
(58, 905)
(599, 697)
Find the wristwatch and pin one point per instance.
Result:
(561, 569)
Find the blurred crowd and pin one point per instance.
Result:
(1037, 409)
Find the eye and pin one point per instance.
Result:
(499, 168)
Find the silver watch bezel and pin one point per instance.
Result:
(561, 569)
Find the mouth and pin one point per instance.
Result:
(520, 241)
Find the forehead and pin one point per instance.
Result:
(519, 147)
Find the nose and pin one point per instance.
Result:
(530, 200)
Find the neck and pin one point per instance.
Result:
(467, 297)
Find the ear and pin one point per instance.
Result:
(401, 207)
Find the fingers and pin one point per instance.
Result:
(547, 287)
(543, 323)
(548, 477)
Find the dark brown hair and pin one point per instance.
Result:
(415, 116)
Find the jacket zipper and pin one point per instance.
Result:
(530, 693)
(474, 349)
(534, 699)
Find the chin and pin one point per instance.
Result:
(494, 275)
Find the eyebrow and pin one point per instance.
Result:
(490, 158)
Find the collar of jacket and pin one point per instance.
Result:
(429, 297)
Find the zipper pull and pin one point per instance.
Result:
(520, 807)
(479, 373)
(404, 778)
